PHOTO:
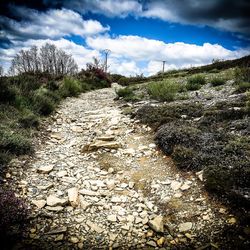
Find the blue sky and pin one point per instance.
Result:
(138, 33)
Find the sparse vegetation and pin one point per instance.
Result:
(217, 81)
(13, 216)
(128, 94)
(163, 91)
(242, 74)
(70, 87)
(195, 82)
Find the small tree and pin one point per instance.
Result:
(49, 59)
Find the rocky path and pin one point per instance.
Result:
(99, 182)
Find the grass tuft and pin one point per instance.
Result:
(163, 91)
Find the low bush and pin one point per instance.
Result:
(124, 92)
(242, 74)
(163, 91)
(242, 87)
(13, 216)
(158, 115)
(14, 143)
(70, 87)
(195, 82)
(183, 157)
(7, 93)
(29, 120)
(127, 94)
(170, 135)
(5, 157)
(43, 104)
(217, 81)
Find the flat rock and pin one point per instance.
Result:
(185, 186)
(157, 224)
(53, 201)
(175, 185)
(73, 196)
(104, 144)
(74, 239)
(39, 203)
(88, 192)
(45, 169)
(54, 209)
(105, 138)
(183, 227)
(151, 243)
(58, 230)
(112, 218)
(61, 173)
(94, 227)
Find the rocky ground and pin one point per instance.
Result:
(97, 181)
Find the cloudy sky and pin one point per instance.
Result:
(139, 33)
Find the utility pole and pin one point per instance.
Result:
(163, 66)
(106, 53)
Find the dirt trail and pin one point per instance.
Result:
(98, 181)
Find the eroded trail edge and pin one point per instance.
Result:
(99, 181)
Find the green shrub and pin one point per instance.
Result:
(183, 157)
(43, 104)
(29, 120)
(5, 157)
(242, 74)
(7, 93)
(195, 82)
(13, 216)
(124, 92)
(163, 91)
(85, 87)
(70, 87)
(170, 135)
(242, 87)
(158, 115)
(127, 94)
(14, 143)
(217, 81)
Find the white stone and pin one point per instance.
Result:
(130, 218)
(112, 218)
(54, 209)
(61, 173)
(73, 196)
(94, 227)
(53, 201)
(131, 184)
(175, 185)
(157, 224)
(45, 169)
(183, 227)
(88, 192)
(39, 203)
(185, 186)
(83, 203)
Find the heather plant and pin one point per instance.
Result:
(13, 215)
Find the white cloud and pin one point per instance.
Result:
(129, 53)
(177, 55)
(110, 8)
(214, 13)
(52, 24)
